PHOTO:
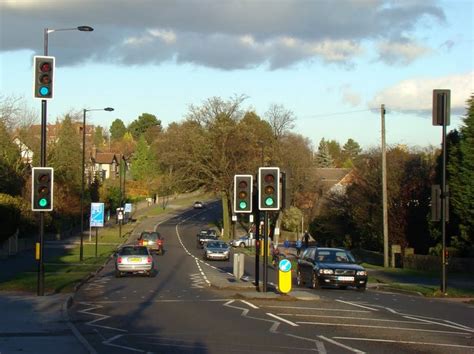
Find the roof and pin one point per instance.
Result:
(105, 157)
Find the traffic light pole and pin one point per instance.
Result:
(40, 290)
(265, 251)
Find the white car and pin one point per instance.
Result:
(244, 241)
(198, 205)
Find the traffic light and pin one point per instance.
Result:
(42, 189)
(43, 77)
(269, 188)
(243, 187)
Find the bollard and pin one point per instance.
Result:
(239, 265)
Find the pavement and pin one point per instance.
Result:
(40, 324)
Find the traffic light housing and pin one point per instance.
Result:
(243, 189)
(43, 77)
(269, 190)
(42, 189)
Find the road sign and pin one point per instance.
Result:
(284, 276)
(97, 214)
(128, 208)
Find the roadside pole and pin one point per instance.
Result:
(265, 251)
(96, 240)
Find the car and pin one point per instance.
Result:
(198, 205)
(244, 241)
(153, 240)
(205, 236)
(323, 266)
(217, 250)
(132, 259)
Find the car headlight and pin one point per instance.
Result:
(326, 271)
(361, 272)
(226, 252)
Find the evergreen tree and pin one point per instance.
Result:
(461, 182)
(144, 163)
(142, 124)
(117, 129)
(350, 152)
(323, 156)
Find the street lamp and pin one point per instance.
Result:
(108, 109)
(44, 107)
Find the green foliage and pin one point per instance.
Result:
(11, 180)
(142, 124)
(15, 214)
(99, 136)
(110, 194)
(66, 155)
(144, 166)
(323, 156)
(117, 129)
(291, 219)
(461, 183)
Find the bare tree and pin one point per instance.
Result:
(281, 119)
(14, 112)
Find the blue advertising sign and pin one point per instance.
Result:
(97, 214)
(128, 208)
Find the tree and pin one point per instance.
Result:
(461, 182)
(144, 164)
(323, 156)
(350, 152)
(117, 129)
(334, 149)
(11, 167)
(281, 119)
(142, 124)
(99, 136)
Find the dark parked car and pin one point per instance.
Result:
(330, 267)
(204, 236)
(153, 240)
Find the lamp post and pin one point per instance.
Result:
(47, 31)
(108, 109)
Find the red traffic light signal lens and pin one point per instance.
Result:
(269, 178)
(242, 184)
(44, 178)
(45, 67)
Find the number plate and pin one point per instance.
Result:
(134, 260)
(343, 278)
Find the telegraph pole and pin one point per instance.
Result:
(384, 191)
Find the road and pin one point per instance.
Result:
(176, 311)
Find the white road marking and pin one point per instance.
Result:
(249, 304)
(405, 342)
(349, 318)
(381, 327)
(340, 345)
(315, 308)
(100, 317)
(440, 324)
(282, 319)
(357, 305)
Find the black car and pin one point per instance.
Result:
(330, 267)
(204, 236)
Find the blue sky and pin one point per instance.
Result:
(332, 63)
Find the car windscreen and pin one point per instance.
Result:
(133, 251)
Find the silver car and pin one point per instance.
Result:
(217, 250)
(244, 241)
(133, 259)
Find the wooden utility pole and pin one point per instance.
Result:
(384, 192)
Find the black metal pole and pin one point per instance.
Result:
(81, 247)
(265, 251)
(257, 249)
(443, 201)
(96, 240)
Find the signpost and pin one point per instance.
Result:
(97, 220)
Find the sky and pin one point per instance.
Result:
(331, 62)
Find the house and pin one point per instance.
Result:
(25, 152)
(105, 165)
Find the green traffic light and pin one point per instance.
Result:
(43, 202)
(269, 201)
(242, 204)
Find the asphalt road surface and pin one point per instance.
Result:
(176, 311)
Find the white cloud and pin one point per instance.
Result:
(168, 37)
(415, 95)
(350, 96)
(401, 52)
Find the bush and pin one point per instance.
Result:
(15, 214)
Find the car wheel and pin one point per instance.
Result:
(242, 245)
(299, 278)
(314, 281)
(118, 274)
(361, 288)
